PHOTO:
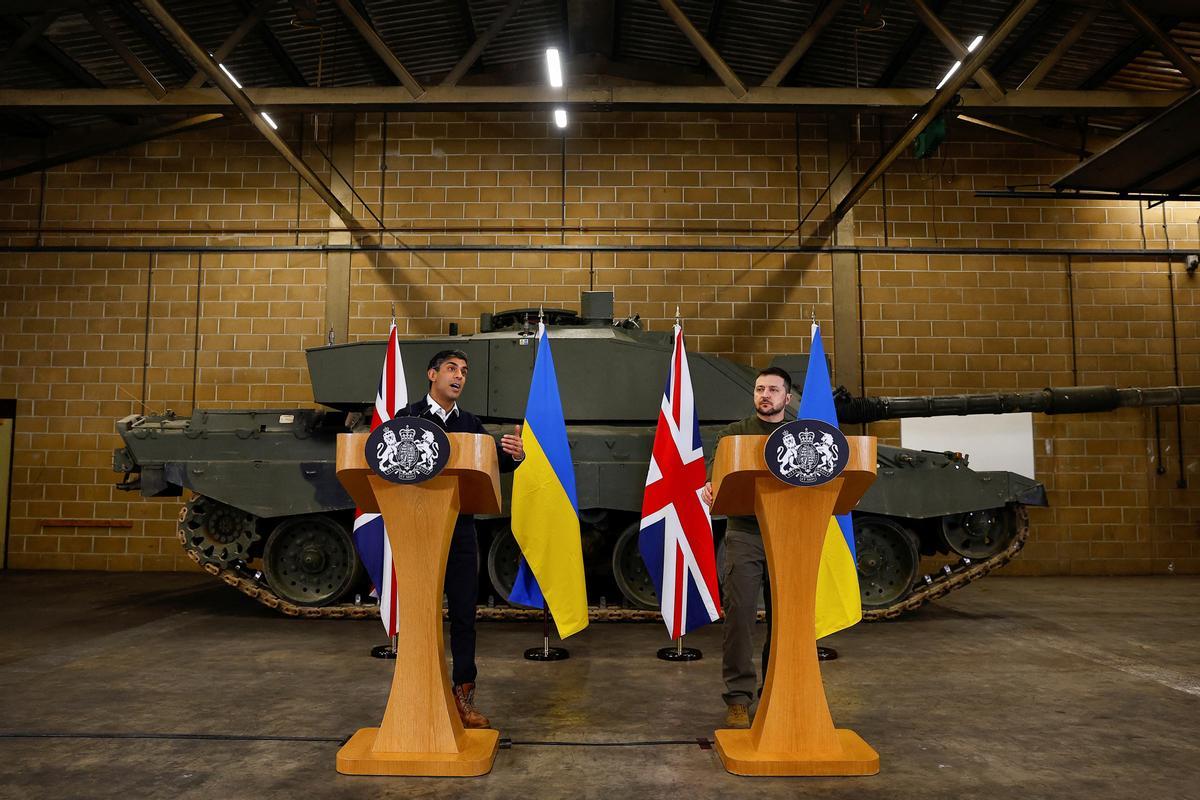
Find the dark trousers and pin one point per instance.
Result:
(744, 573)
(462, 590)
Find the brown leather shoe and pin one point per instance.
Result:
(464, 701)
(737, 715)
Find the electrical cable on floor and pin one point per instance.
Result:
(645, 743)
(701, 742)
(221, 737)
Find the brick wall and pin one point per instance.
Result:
(86, 338)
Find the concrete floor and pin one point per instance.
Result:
(168, 685)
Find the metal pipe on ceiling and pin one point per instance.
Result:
(1123, 254)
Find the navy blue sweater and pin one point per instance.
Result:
(459, 422)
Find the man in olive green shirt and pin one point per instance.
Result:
(744, 569)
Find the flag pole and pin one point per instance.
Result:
(546, 652)
(680, 653)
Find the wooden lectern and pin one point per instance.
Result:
(421, 733)
(793, 733)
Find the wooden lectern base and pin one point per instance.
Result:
(739, 755)
(479, 751)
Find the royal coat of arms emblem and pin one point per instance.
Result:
(807, 452)
(407, 450)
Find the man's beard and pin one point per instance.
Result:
(769, 412)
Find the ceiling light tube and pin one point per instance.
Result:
(560, 117)
(270, 121)
(230, 74)
(555, 67)
(946, 77)
(970, 49)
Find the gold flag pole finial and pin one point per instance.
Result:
(677, 323)
(393, 313)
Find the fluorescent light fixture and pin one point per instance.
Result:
(555, 67)
(230, 74)
(236, 83)
(970, 49)
(946, 77)
(560, 117)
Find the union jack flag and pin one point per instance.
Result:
(676, 539)
(370, 538)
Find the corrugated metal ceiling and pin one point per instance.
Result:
(430, 36)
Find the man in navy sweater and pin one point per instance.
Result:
(447, 375)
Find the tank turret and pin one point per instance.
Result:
(267, 514)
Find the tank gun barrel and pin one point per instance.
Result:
(1065, 400)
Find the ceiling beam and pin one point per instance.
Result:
(32, 34)
(50, 57)
(582, 98)
(132, 61)
(706, 50)
(100, 144)
(479, 45)
(940, 100)
(1047, 16)
(1064, 44)
(24, 126)
(715, 12)
(1125, 55)
(377, 45)
(806, 41)
(1166, 45)
(956, 48)
(468, 19)
(142, 27)
(239, 99)
(590, 27)
(277, 50)
(27, 8)
(905, 52)
(618, 14)
(234, 39)
(1029, 137)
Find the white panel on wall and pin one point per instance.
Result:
(993, 441)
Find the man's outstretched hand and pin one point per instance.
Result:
(512, 444)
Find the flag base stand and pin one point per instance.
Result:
(387, 651)
(826, 653)
(686, 654)
(546, 652)
(680, 653)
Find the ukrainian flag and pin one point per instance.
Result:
(545, 511)
(839, 604)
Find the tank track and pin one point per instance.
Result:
(953, 577)
(950, 578)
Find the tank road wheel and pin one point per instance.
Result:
(217, 533)
(979, 534)
(310, 560)
(887, 560)
(502, 559)
(633, 579)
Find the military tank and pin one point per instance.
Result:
(268, 516)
